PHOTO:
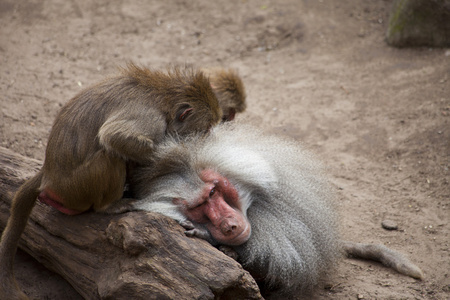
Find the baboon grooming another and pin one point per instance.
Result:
(95, 136)
(264, 196)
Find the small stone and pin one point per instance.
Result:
(389, 225)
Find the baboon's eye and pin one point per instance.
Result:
(184, 114)
(212, 192)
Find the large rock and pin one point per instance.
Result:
(419, 23)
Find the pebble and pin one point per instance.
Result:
(389, 225)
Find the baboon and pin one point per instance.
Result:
(265, 196)
(97, 135)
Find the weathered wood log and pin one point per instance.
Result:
(126, 256)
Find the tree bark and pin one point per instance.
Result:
(134, 255)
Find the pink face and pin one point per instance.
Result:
(219, 208)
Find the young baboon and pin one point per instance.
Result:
(97, 134)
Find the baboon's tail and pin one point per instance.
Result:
(384, 255)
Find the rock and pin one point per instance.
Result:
(389, 225)
(415, 23)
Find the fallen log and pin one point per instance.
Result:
(135, 255)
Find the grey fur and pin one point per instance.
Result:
(294, 239)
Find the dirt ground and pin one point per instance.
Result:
(318, 71)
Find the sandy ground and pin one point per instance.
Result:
(318, 71)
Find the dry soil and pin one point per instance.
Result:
(317, 71)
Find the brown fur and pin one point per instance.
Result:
(96, 135)
(229, 90)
